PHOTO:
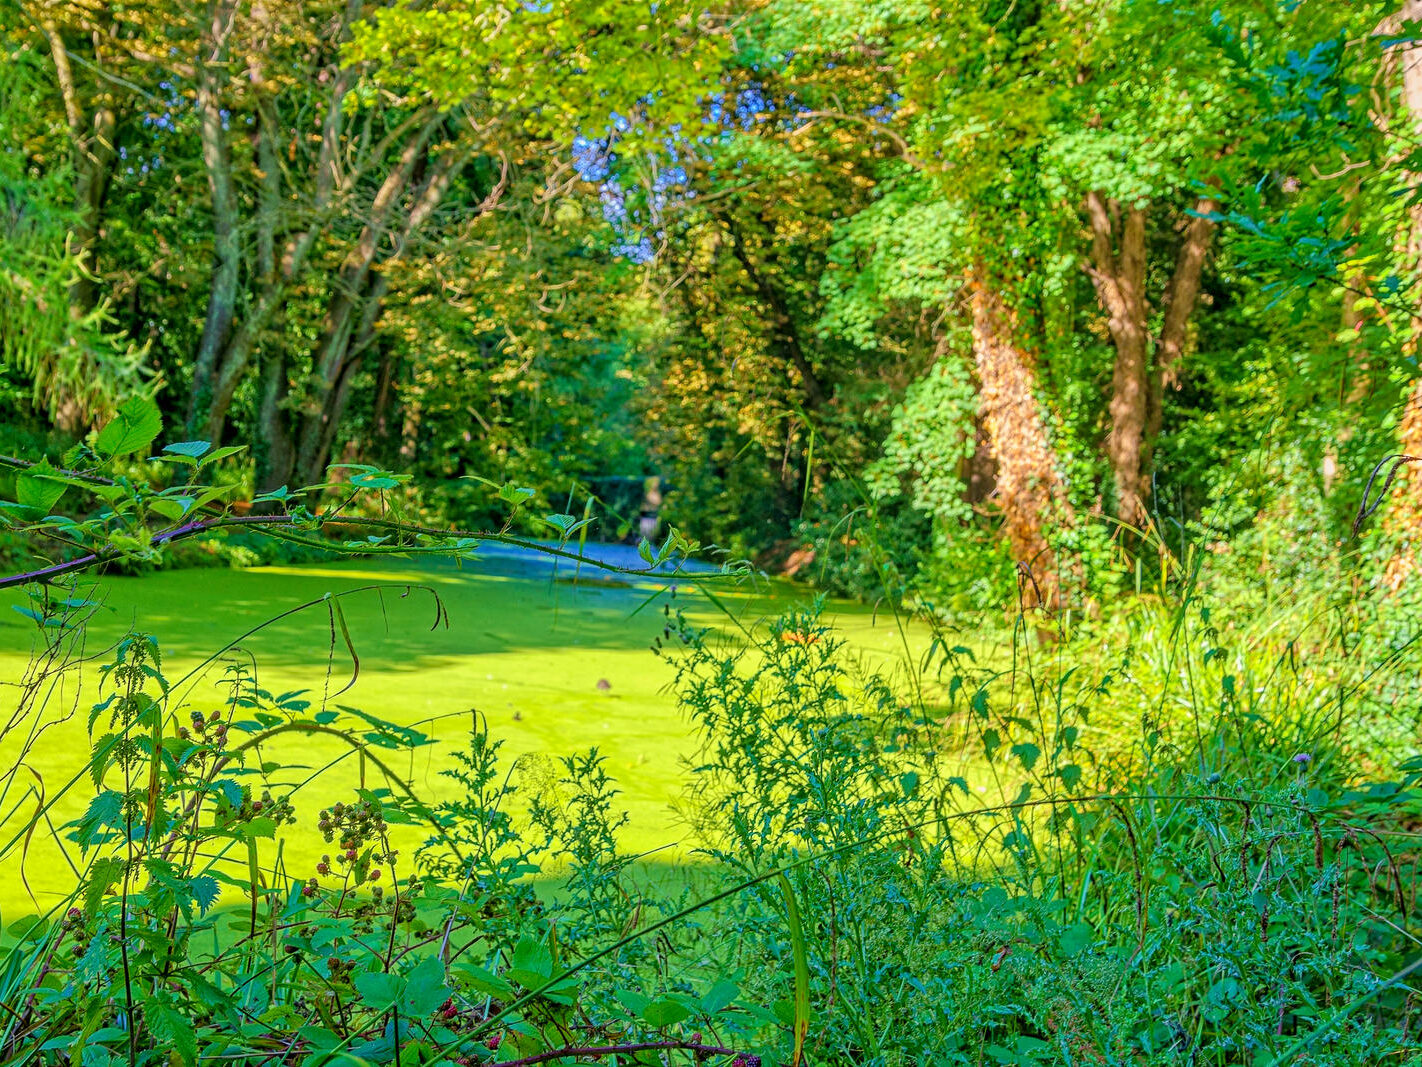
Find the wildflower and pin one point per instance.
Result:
(1304, 758)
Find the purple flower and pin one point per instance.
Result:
(1303, 758)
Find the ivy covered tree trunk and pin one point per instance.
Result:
(1030, 489)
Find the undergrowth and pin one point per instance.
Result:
(1162, 839)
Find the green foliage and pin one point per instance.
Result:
(932, 440)
(1169, 837)
(68, 355)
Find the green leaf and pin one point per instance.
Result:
(719, 996)
(171, 508)
(424, 988)
(30, 928)
(375, 480)
(188, 449)
(664, 1013)
(221, 454)
(532, 963)
(171, 1028)
(633, 1001)
(1076, 939)
(377, 989)
(516, 495)
(38, 489)
(135, 427)
(799, 949)
(485, 981)
(1028, 753)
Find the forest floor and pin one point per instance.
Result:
(558, 659)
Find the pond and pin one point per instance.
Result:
(557, 659)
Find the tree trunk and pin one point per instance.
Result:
(1138, 382)
(275, 457)
(96, 155)
(226, 250)
(1119, 278)
(787, 337)
(382, 445)
(93, 153)
(1180, 300)
(319, 426)
(1030, 489)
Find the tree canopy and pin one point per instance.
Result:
(1039, 292)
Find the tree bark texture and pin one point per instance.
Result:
(1144, 365)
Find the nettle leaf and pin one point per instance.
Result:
(97, 962)
(979, 703)
(105, 813)
(204, 889)
(171, 1027)
(135, 427)
(1028, 753)
(38, 489)
(102, 875)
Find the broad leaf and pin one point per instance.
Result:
(133, 429)
(38, 489)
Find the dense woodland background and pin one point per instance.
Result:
(996, 280)
(1098, 318)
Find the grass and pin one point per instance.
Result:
(529, 652)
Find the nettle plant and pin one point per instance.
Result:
(983, 877)
(1169, 901)
(188, 938)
